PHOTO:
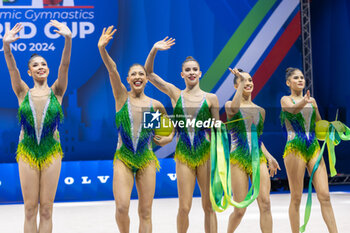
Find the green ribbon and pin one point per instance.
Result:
(220, 176)
(336, 132)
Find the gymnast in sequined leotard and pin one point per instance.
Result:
(300, 128)
(243, 117)
(134, 158)
(39, 117)
(193, 147)
(39, 151)
(299, 116)
(240, 151)
(134, 147)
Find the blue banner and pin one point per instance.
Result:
(87, 181)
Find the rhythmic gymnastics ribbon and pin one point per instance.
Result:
(220, 176)
(336, 132)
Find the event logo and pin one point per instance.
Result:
(35, 3)
(34, 18)
(85, 18)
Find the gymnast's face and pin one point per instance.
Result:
(38, 69)
(137, 78)
(191, 73)
(248, 83)
(296, 81)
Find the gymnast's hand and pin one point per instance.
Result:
(106, 36)
(10, 36)
(236, 72)
(273, 166)
(307, 97)
(162, 140)
(63, 30)
(164, 44)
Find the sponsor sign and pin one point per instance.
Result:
(87, 181)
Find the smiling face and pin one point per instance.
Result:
(191, 73)
(38, 69)
(248, 86)
(137, 78)
(296, 81)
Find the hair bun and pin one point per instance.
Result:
(235, 78)
(188, 59)
(240, 71)
(289, 69)
(34, 55)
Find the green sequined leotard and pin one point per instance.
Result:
(134, 151)
(193, 146)
(240, 152)
(39, 140)
(300, 127)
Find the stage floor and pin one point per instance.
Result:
(98, 217)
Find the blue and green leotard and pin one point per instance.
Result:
(193, 146)
(300, 128)
(240, 152)
(135, 152)
(39, 117)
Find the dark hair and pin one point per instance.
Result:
(137, 64)
(34, 55)
(290, 71)
(189, 58)
(236, 77)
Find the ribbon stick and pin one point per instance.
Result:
(336, 132)
(220, 177)
(309, 196)
(240, 119)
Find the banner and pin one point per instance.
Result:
(87, 181)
